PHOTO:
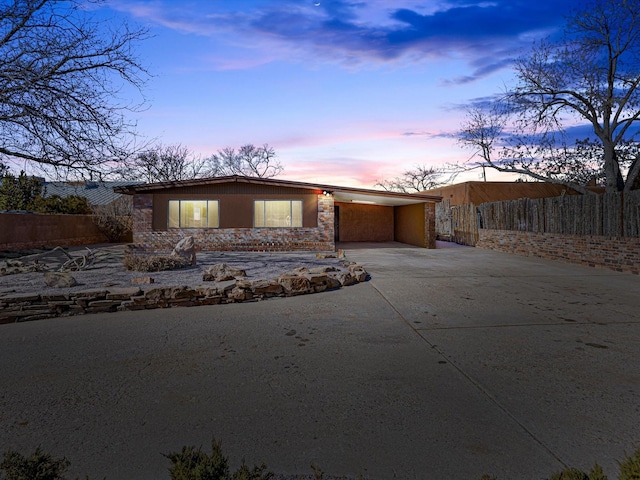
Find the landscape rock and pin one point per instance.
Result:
(222, 272)
(115, 295)
(59, 280)
(186, 248)
(346, 278)
(358, 272)
(142, 281)
(266, 288)
(323, 269)
(295, 285)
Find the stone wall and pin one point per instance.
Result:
(21, 231)
(320, 238)
(20, 307)
(616, 253)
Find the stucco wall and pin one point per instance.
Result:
(415, 225)
(19, 231)
(365, 223)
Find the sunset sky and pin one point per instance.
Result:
(346, 92)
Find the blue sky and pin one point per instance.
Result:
(346, 92)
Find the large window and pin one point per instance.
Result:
(194, 214)
(277, 213)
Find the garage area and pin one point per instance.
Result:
(385, 217)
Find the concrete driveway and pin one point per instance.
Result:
(447, 364)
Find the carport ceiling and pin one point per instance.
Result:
(387, 199)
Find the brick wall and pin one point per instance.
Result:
(319, 238)
(430, 224)
(21, 231)
(365, 223)
(616, 253)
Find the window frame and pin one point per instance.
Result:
(291, 202)
(208, 201)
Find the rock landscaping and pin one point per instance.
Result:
(221, 284)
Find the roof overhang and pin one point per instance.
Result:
(340, 194)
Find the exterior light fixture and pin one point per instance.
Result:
(327, 193)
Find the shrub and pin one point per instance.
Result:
(257, 473)
(73, 204)
(154, 263)
(18, 193)
(194, 464)
(37, 466)
(630, 467)
(115, 220)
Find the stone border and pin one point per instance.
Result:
(33, 306)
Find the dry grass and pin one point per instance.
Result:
(154, 263)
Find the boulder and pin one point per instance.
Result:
(59, 280)
(142, 281)
(186, 248)
(295, 285)
(266, 288)
(358, 272)
(222, 272)
(324, 269)
(345, 278)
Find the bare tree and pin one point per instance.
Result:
(591, 76)
(418, 179)
(248, 160)
(115, 220)
(164, 163)
(504, 144)
(61, 72)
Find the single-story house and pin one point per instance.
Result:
(96, 193)
(260, 214)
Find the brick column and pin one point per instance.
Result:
(142, 218)
(430, 225)
(326, 221)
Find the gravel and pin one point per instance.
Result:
(108, 269)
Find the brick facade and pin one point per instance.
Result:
(621, 254)
(320, 238)
(430, 225)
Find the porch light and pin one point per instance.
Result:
(327, 193)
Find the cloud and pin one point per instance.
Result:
(485, 34)
(352, 171)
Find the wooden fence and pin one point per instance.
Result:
(457, 224)
(612, 214)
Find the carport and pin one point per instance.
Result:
(378, 216)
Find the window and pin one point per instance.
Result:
(277, 213)
(194, 214)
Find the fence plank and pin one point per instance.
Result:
(608, 214)
(631, 227)
(465, 224)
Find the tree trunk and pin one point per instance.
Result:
(614, 180)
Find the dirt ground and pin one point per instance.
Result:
(107, 270)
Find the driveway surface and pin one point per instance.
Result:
(447, 364)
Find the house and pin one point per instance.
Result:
(96, 193)
(478, 192)
(259, 214)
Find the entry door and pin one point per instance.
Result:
(336, 223)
